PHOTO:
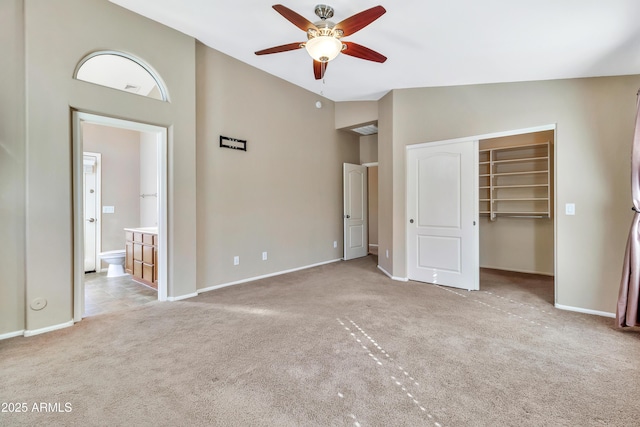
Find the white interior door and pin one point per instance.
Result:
(355, 211)
(90, 202)
(442, 200)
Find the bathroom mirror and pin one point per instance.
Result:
(120, 71)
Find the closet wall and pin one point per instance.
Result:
(369, 155)
(519, 243)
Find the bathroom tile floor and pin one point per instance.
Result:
(104, 294)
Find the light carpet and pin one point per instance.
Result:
(336, 345)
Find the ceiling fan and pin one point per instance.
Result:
(324, 37)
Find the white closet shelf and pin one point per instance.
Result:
(523, 159)
(519, 173)
(519, 186)
(530, 163)
(523, 199)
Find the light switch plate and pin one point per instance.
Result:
(570, 209)
(108, 209)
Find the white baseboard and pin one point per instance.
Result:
(11, 335)
(181, 297)
(373, 244)
(515, 270)
(30, 333)
(585, 310)
(251, 279)
(392, 277)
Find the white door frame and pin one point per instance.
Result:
(98, 190)
(534, 129)
(78, 226)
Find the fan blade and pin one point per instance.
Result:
(299, 21)
(319, 68)
(359, 51)
(360, 20)
(283, 48)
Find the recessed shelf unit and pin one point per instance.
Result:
(515, 181)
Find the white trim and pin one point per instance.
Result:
(398, 279)
(373, 244)
(515, 270)
(251, 279)
(11, 335)
(370, 164)
(162, 87)
(484, 136)
(181, 297)
(30, 333)
(584, 310)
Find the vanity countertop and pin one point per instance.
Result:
(146, 230)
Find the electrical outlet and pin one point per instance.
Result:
(387, 251)
(108, 209)
(335, 244)
(236, 260)
(264, 256)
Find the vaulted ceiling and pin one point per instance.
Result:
(427, 42)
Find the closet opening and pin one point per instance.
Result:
(517, 216)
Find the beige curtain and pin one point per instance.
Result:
(629, 297)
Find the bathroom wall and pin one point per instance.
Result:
(120, 149)
(148, 180)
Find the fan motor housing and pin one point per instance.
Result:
(324, 11)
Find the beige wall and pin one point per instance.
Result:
(284, 194)
(353, 113)
(594, 118)
(58, 34)
(518, 244)
(148, 179)
(12, 168)
(368, 149)
(385, 182)
(120, 179)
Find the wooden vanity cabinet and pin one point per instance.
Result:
(141, 258)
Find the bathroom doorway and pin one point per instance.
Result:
(154, 136)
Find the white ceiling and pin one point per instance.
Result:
(427, 42)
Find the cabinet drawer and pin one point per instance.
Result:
(128, 235)
(137, 268)
(137, 237)
(147, 272)
(147, 254)
(147, 238)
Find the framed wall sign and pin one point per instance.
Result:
(236, 144)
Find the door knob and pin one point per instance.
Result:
(347, 216)
(411, 221)
(91, 220)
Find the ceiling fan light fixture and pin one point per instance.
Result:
(323, 48)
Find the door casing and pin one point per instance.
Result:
(78, 118)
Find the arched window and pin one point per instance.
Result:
(123, 72)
